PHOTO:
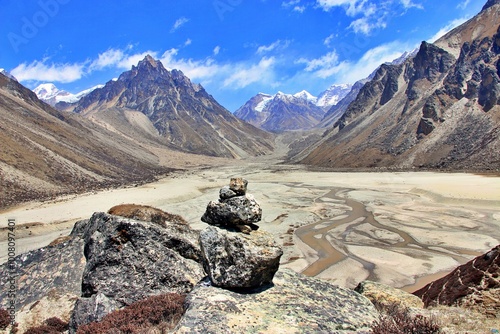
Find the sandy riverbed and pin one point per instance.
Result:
(405, 229)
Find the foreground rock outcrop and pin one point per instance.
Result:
(293, 304)
(475, 285)
(129, 260)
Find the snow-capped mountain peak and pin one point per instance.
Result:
(305, 95)
(264, 100)
(333, 95)
(49, 93)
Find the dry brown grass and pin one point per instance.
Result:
(158, 313)
(146, 213)
(395, 319)
(461, 320)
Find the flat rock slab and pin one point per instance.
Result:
(387, 296)
(294, 304)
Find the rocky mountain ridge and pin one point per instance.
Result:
(177, 113)
(435, 110)
(46, 152)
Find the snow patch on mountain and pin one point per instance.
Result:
(7, 74)
(333, 95)
(49, 93)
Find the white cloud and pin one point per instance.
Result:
(366, 25)
(323, 67)
(40, 71)
(368, 14)
(106, 59)
(118, 58)
(290, 3)
(444, 30)
(216, 50)
(463, 4)
(65, 73)
(410, 4)
(188, 42)
(277, 45)
(179, 23)
(245, 75)
(330, 66)
(328, 41)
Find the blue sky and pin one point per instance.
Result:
(234, 48)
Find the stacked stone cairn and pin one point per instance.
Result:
(235, 254)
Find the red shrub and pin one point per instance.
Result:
(137, 317)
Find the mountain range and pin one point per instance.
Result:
(438, 109)
(282, 112)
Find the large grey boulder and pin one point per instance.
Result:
(294, 304)
(146, 258)
(237, 260)
(129, 260)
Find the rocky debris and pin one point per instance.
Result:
(235, 209)
(386, 296)
(475, 284)
(237, 260)
(294, 304)
(129, 260)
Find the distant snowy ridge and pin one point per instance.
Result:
(333, 95)
(50, 94)
(7, 74)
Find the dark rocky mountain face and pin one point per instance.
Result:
(439, 109)
(475, 284)
(46, 152)
(185, 116)
(281, 113)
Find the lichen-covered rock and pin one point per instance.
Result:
(45, 271)
(226, 193)
(236, 260)
(238, 185)
(147, 258)
(293, 304)
(129, 260)
(239, 210)
(91, 309)
(387, 296)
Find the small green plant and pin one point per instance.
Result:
(396, 319)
